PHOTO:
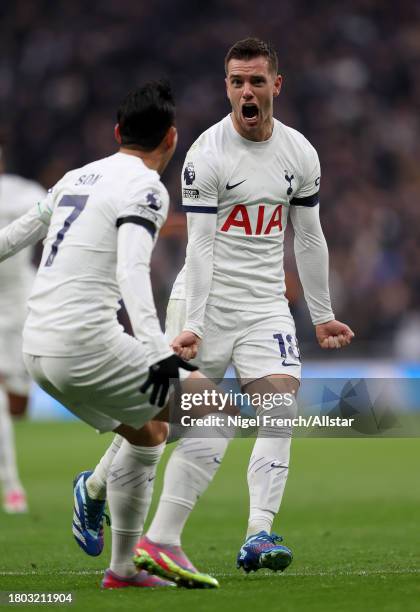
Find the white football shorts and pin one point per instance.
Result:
(102, 388)
(256, 344)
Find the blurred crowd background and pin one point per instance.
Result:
(351, 85)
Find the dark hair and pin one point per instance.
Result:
(146, 114)
(248, 48)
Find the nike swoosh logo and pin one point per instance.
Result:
(288, 364)
(235, 185)
(276, 464)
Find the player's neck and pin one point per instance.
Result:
(153, 160)
(263, 132)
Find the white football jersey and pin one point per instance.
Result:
(17, 196)
(75, 298)
(250, 186)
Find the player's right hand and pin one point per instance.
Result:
(160, 375)
(186, 345)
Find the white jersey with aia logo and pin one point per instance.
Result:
(250, 186)
(75, 298)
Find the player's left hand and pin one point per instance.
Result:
(333, 335)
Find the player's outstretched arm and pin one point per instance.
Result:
(25, 231)
(333, 335)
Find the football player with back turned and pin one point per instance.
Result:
(100, 223)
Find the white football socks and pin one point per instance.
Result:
(129, 488)
(190, 469)
(267, 475)
(96, 483)
(268, 469)
(8, 467)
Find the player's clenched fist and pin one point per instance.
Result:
(186, 344)
(333, 335)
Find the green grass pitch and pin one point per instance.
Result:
(351, 514)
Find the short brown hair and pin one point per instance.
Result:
(248, 48)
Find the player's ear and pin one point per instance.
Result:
(117, 133)
(277, 85)
(171, 138)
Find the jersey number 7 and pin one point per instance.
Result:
(77, 202)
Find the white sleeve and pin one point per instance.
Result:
(135, 246)
(311, 253)
(199, 200)
(27, 230)
(199, 268)
(308, 190)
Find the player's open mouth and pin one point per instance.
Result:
(250, 112)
